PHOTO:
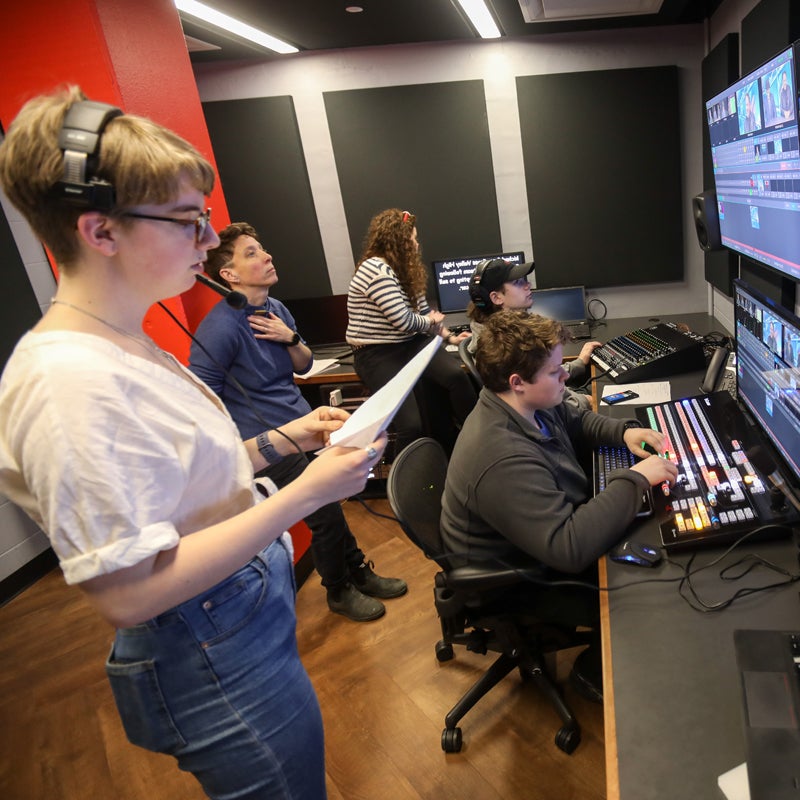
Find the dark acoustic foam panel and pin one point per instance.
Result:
(770, 27)
(423, 148)
(603, 172)
(720, 68)
(263, 171)
(19, 308)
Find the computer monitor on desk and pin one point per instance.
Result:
(768, 372)
(322, 322)
(451, 280)
(753, 129)
(567, 304)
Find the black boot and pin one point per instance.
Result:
(348, 601)
(374, 585)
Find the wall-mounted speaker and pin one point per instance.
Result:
(706, 221)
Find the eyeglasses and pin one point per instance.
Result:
(200, 223)
(409, 217)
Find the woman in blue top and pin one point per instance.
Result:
(258, 349)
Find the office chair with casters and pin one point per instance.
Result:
(469, 599)
(469, 362)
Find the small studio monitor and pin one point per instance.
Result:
(706, 221)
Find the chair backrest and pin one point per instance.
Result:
(469, 361)
(414, 487)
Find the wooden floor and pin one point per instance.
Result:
(382, 692)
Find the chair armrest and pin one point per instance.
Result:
(479, 578)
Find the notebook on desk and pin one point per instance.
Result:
(769, 671)
(567, 304)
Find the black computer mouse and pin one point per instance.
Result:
(636, 553)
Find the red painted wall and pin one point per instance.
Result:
(130, 54)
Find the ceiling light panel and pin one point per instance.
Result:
(241, 29)
(481, 19)
(559, 10)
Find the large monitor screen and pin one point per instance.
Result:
(756, 156)
(451, 278)
(768, 370)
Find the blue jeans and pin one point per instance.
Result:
(217, 683)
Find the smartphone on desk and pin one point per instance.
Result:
(619, 397)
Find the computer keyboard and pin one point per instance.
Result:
(607, 458)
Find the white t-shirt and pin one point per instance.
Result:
(112, 455)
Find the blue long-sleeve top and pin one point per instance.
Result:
(262, 367)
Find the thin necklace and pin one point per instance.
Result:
(144, 341)
(164, 357)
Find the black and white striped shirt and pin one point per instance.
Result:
(378, 309)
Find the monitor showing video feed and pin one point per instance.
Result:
(756, 157)
(451, 278)
(768, 370)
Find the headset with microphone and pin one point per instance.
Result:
(79, 138)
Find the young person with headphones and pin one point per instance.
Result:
(135, 470)
(496, 285)
(390, 321)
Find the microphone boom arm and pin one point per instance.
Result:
(232, 298)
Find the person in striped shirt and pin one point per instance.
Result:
(390, 321)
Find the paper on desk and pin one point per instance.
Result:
(373, 416)
(733, 783)
(320, 365)
(649, 393)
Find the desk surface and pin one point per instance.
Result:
(671, 685)
(602, 331)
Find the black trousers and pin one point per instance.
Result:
(334, 549)
(420, 414)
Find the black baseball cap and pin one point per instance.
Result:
(497, 272)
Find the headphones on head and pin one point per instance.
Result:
(477, 293)
(79, 138)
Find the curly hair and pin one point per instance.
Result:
(389, 237)
(221, 256)
(480, 314)
(145, 162)
(515, 342)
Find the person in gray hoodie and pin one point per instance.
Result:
(516, 491)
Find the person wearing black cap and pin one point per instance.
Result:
(501, 285)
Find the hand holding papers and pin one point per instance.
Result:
(375, 414)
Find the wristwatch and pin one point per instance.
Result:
(295, 340)
(271, 455)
